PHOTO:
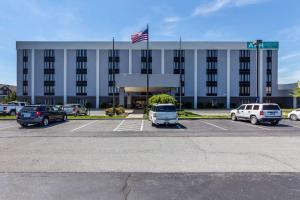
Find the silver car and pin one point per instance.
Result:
(257, 113)
(75, 109)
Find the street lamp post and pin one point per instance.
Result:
(257, 43)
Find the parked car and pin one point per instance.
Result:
(294, 115)
(257, 113)
(163, 114)
(12, 108)
(40, 114)
(75, 109)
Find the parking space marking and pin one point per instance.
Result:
(255, 126)
(295, 126)
(224, 129)
(85, 125)
(7, 127)
(119, 125)
(142, 125)
(130, 125)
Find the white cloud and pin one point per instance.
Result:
(292, 33)
(172, 19)
(216, 5)
(290, 56)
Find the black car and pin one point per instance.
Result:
(40, 114)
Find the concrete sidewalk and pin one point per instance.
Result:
(209, 112)
(133, 114)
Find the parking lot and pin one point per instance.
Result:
(143, 128)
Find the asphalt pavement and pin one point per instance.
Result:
(130, 159)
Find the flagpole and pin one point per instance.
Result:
(113, 74)
(180, 75)
(147, 68)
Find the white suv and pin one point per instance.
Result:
(163, 114)
(256, 113)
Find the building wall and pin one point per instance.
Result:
(136, 69)
(71, 73)
(189, 73)
(201, 61)
(222, 73)
(91, 73)
(103, 59)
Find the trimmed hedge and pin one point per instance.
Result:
(118, 110)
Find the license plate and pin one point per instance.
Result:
(26, 115)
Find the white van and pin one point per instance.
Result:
(163, 114)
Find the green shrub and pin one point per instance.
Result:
(162, 98)
(119, 111)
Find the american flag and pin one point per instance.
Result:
(139, 36)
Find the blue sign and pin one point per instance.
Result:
(264, 45)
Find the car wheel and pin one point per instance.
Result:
(152, 124)
(45, 121)
(254, 120)
(233, 117)
(274, 123)
(12, 113)
(294, 117)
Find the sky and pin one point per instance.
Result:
(193, 20)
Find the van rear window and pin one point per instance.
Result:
(30, 109)
(271, 107)
(165, 109)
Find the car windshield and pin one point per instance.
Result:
(30, 108)
(271, 107)
(165, 109)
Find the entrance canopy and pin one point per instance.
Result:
(144, 89)
(138, 82)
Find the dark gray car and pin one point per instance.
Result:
(40, 114)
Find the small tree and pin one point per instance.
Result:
(162, 98)
(11, 97)
(296, 91)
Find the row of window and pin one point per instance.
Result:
(244, 86)
(269, 73)
(113, 63)
(25, 72)
(81, 75)
(178, 67)
(212, 72)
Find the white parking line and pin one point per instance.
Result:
(119, 125)
(75, 129)
(254, 126)
(142, 125)
(295, 126)
(224, 129)
(7, 127)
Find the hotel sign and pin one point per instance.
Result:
(264, 45)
